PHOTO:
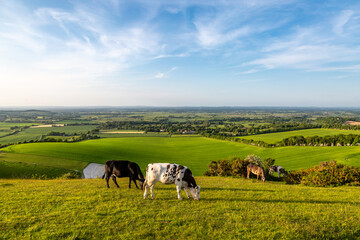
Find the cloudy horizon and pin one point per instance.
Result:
(187, 53)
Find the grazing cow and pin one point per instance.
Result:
(168, 173)
(255, 170)
(278, 169)
(117, 168)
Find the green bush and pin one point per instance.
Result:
(219, 168)
(254, 159)
(70, 175)
(326, 174)
(232, 167)
(239, 167)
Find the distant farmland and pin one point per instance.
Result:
(276, 137)
(36, 133)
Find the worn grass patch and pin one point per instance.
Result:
(229, 209)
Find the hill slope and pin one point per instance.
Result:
(194, 152)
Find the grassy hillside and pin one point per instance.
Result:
(229, 209)
(30, 170)
(194, 152)
(276, 137)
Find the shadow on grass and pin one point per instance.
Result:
(218, 189)
(237, 189)
(278, 201)
(6, 185)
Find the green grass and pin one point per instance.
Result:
(194, 152)
(36, 133)
(229, 209)
(276, 137)
(29, 170)
(122, 135)
(43, 161)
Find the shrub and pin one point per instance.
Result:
(254, 159)
(294, 177)
(267, 163)
(326, 174)
(70, 175)
(219, 168)
(238, 167)
(232, 167)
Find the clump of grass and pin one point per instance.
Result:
(71, 175)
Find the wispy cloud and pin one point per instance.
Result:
(165, 74)
(313, 48)
(341, 21)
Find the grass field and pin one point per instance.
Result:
(194, 152)
(229, 209)
(36, 133)
(276, 137)
(29, 170)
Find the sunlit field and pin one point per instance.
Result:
(194, 152)
(229, 208)
(277, 137)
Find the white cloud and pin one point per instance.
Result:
(341, 21)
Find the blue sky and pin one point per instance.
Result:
(180, 53)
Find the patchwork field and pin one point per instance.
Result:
(229, 208)
(36, 133)
(194, 152)
(276, 137)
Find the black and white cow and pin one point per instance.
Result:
(118, 168)
(278, 169)
(168, 173)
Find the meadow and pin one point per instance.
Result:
(194, 152)
(36, 133)
(229, 208)
(276, 137)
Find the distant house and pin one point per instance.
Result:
(188, 132)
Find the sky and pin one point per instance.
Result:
(180, 53)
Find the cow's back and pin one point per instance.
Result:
(161, 172)
(119, 168)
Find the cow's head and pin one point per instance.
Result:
(141, 183)
(195, 192)
(272, 169)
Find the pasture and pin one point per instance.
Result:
(229, 208)
(36, 133)
(194, 152)
(276, 137)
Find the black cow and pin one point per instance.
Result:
(117, 168)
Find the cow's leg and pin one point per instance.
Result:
(187, 192)
(152, 190)
(135, 184)
(248, 174)
(257, 176)
(145, 186)
(114, 179)
(107, 180)
(178, 190)
(129, 182)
